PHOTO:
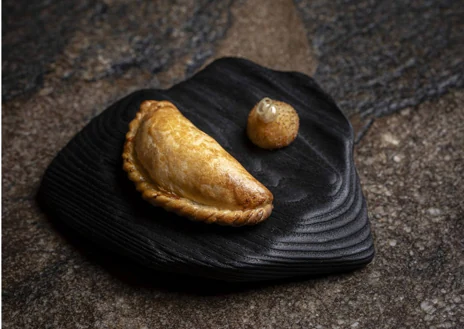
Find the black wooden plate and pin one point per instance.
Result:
(319, 223)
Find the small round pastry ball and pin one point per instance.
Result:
(272, 124)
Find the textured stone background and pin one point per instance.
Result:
(65, 61)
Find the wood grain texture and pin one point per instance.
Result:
(319, 223)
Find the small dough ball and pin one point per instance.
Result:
(272, 124)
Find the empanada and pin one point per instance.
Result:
(182, 169)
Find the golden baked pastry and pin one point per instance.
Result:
(182, 169)
(272, 124)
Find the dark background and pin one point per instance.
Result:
(395, 67)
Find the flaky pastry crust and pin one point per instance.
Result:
(182, 169)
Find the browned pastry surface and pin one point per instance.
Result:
(277, 133)
(182, 169)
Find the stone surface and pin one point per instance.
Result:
(376, 57)
(272, 36)
(91, 40)
(411, 164)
